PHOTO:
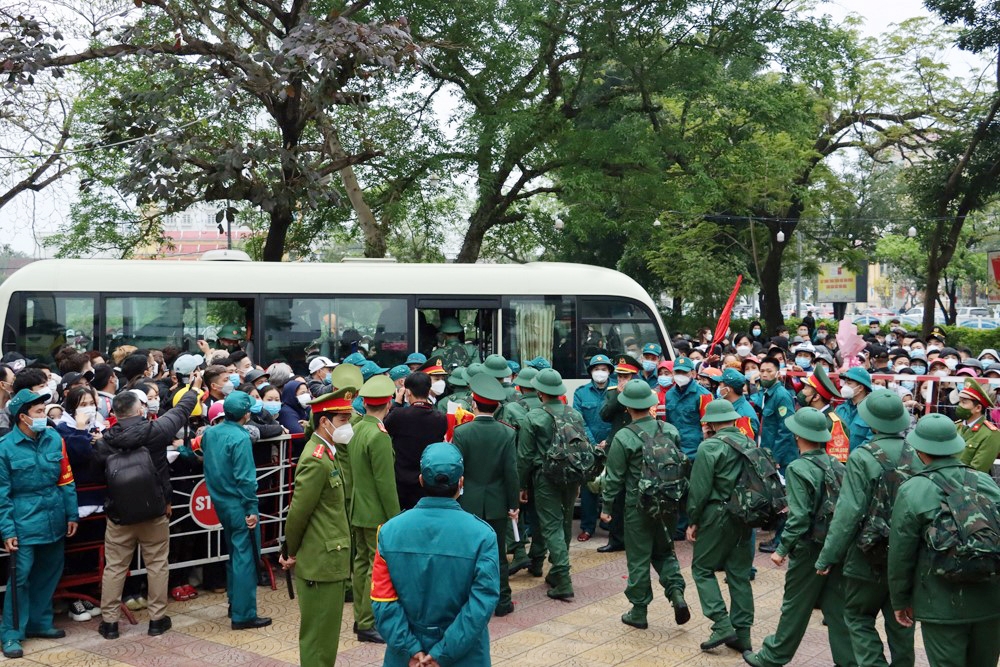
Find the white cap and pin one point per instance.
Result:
(141, 394)
(186, 363)
(805, 347)
(320, 362)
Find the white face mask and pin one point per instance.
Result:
(600, 377)
(304, 399)
(90, 411)
(153, 405)
(508, 379)
(155, 370)
(743, 350)
(753, 375)
(342, 434)
(940, 373)
(438, 387)
(847, 392)
(681, 380)
(952, 364)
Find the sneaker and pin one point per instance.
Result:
(12, 649)
(132, 602)
(78, 612)
(91, 609)
(141, 601)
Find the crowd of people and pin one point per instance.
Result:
(785, 433)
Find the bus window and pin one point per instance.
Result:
(42, 323)
(156, 322)
(440, 337)
(613, 327)
(296, 329)
(541, 327)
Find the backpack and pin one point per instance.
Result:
(826, 501)
(570, 459)
(455, 355)
(134, 493)
(964, 537)
(758, 499)
(663, 478)
(873, 538)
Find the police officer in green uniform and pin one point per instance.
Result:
(982, 438)
(646, 539)
(960, 622)
(866, 588)
(489, 449)
(231, 479)
(453, 351)
(553, 502)
(37, 512)
(346, 376)
(516, 414)
(317, 533)
(460, 391)
(804, 587)
(374, 499)
(721, 541)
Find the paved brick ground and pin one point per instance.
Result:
(541, 631)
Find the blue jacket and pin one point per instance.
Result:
(683, 409)
(291, 410)
(37, 493)
(742, 406)
(775, 404)
(446, 610)
(587, 400)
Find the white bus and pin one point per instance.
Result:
(563, 312)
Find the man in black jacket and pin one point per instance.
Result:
(412, 428)
(138, 502)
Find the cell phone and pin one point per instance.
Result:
(200, 337)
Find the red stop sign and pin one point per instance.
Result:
(202, 509)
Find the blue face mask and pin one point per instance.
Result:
(39, 424)
(234, 380)
(888, 366)
(256, 407)
(664, 380)
(756, 332)
(803, 362)
(648, 366)
(906, 384)
(273, 407)
(781, 365)
(329, 378)
(919, 370)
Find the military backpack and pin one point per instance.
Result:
(826, 499)
(454, 355)
(964, 537)
(873, 538)
(571, 458)
(663, 477)
(758, 499)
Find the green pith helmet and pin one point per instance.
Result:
(719, 410)
(496, 366)
(637, 395)
(525, 377)
(884, 412)
(474, 369)
(549, 382)
(487, 387)
(450, 325)
(809, 424)
(936, 435)
(232, 331)
(458, 378)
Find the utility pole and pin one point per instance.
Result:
(798, 276)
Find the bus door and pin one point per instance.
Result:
(461, 331)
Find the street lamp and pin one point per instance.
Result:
(657, 223)
(911, 232)
(780, 237)
(559, 224)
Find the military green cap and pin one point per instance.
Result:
(719, 410)
(485, 386)
(474, 369)
(458, 378)
(237, 405)
(525, 377)
(732, 378)
(23, 400)
(638, 396)
(232, 331)
(822, 383)
(550, 382)
(377, 390)
(441, 464)
(496, 366)
(809, 424)
(450, 325)
(936, 435)
(884, 411)
(346, 376)
(859, 375)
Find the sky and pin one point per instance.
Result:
(28, 218)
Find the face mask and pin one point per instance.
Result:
(39, 424)
(719, 394)
(303, 399)
(227, 388)
(328, 378)
(234, 379)
(767, 384)
(342, 434)
(963, 413)
(752, 375)
(154, 406)
(756, 331)
(940, 374)
(952, 364)
(847, 392)
(909, 386)
(600, 377)
(53, 386)
(681, 380)
(438, 387)
(648, 366)
(154, 370)
(664, 380)
(273, 407)
(919, 370)
(803, 362)
(90, 411)
(102, 408)
(803, 399)
(254, 409)
(743, 350)
(508, 380)
(781, 366)
(873, 330)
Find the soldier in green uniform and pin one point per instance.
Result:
(374, 499)
(553, 502)
(496, 366)
(317, 532)
(614, 413)
(646, 539)
(960, 622)
(489, 449)
(454, 351)
(515, 414)
(866, 588)
(460, 391)
(721, 541)
(982, 438)
(804, 587)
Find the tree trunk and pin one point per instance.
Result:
(930, 294)
(374, 234)
(472, 244)
(770, 294)
(274, 245)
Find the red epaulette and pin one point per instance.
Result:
(381, 427)
(318, 452)
(990, 425)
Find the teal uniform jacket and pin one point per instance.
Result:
(683, 410)
(742, 406)
(445, 611)
(847, 411)
(912, 581)
(588, 401)
(229, 471)
(854, 425)
(775, 404)
(489, 449)
(860, 477)
(37, 493)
